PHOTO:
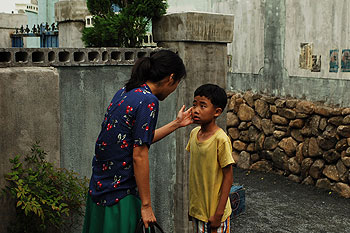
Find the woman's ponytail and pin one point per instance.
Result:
(155, 68)
(139, 74)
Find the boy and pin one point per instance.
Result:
(211, 162)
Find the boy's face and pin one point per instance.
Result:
(203, 111)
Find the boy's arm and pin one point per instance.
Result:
(227, 181)
(183, 118)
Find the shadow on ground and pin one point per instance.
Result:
(275, 204)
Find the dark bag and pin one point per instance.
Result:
(140, 228)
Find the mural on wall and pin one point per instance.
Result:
(333, 61)
(305, 58)
(345, 60)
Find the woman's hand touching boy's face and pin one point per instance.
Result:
(184, 118)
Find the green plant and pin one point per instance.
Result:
(124, 28)
(46, 197)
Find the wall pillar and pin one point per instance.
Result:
(70, 16)
(201, 41)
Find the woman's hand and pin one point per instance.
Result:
(184, 118)
(147, 216)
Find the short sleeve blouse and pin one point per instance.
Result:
(129, 122)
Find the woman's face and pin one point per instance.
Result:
(167, 88)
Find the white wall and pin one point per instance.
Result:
(325, 24)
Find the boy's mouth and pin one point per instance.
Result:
(196, 118)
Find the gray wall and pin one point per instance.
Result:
(8, 24)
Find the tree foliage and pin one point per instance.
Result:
(124, 28)
(46, 197)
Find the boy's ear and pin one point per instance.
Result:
(218, 112)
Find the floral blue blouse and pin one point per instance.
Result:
(129, 122)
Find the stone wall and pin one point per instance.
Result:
(306, 141)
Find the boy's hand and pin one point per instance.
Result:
(215, 221)
(184, 118)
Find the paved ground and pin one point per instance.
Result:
(275, 204)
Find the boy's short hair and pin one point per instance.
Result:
(214, 93)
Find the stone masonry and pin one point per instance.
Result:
(306, 141)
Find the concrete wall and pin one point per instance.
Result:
(8, 24)
(29, 112)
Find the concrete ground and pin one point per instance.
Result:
(275, 204)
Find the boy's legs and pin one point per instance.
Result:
(204, 227)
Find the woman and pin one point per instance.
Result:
(120, 176)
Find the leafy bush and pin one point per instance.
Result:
(124, 28)
(47, 198)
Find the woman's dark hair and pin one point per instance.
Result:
(160, 65)
(214, 93)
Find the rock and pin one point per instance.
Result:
(338, 120)
(282, 128)
(331, 156)
(328, 139)
(299, 153)
(269, 99)
(266, 154)
(345, 159)
(239, 145)
(294, 178)
(341, 145)
(348, 140)
(257, 122)
(253, 133)
(316, 169)
(308, 181)
(297, 123)
(235, 102)
(291, 103)
(245, 113)
(331, 172)
(273, 108)
(301, 115)
(313, 124)
(296, 134)
(346, 120)
(336, 111)
(255, 157)
(345, 111)
(280, 159)
(259, 144)
(323, 110)
(324, 183)
(342, 189)
(267, 126)
(244, 160)
(323, 124)
(306, 131)
(248, 97)
(262, 108)
(263, 166)
(288, 145)
(243, 136)
(280, 103)
(234, 133)
(306, 147)
(341, 170)
(278, 120)
(314, 149)
(243, 125)
(270, 143)
(305, 107)
(279, 134)
(294, 166)
(287, 113)
(251, 147)
(232, 119)
(235, 156)
(305, 167)
(344, 130)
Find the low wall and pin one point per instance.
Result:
(306, 141)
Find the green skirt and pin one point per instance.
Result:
(119, 218)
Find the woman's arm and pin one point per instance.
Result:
(183, 118)
(215, 220)
(141, 171)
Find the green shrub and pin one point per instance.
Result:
(122, 29)
(46, 198)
